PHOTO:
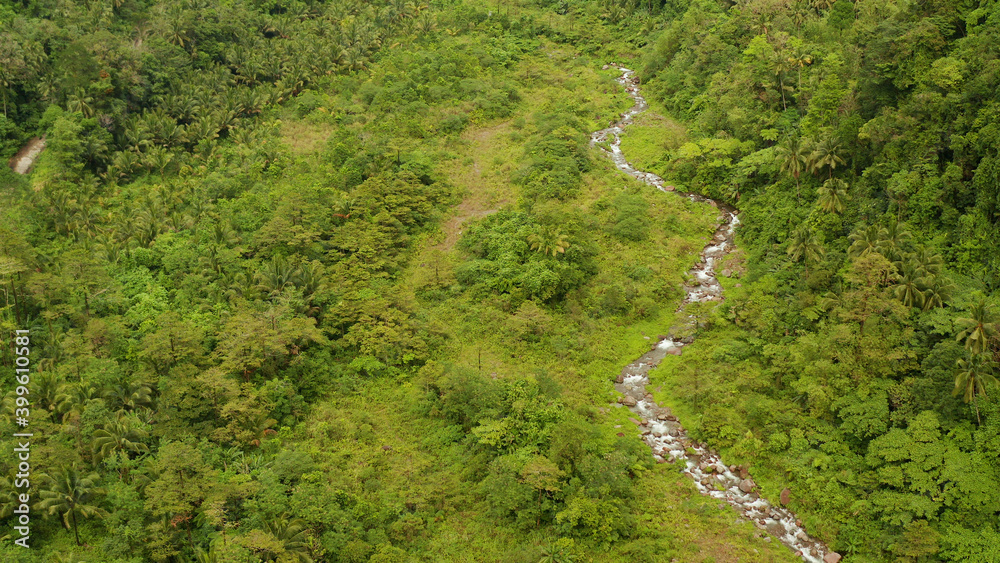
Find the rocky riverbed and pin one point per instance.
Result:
(658, 425)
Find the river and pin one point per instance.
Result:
(660, 428)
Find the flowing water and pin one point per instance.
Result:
(660, 428)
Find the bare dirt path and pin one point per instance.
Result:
(22, 161)
(485, 192)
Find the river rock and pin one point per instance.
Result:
(620, 378)
(629, 401)
(746, 485)
(832, 557)
(634, 421)
(786, 496)
(605, 67)
(744, 472)
(675, 351)
(801, 536)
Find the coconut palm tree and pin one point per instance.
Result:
(908, 290)
(929, 262)
(793, 157)
(68, 493)
(276, 275)
(805, 244)
(865, 240)
(937, 292)
(895, 237)
(827, 153)
(979, 328)
(129, 396)
(973, 377)
(833, 196)
(123, 434)
(293, 536)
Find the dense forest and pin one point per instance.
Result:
(316, 281)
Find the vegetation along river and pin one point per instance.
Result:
(660, 428)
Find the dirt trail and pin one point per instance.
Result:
(482, 197)
(22, 161)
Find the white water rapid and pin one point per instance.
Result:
(660, 428)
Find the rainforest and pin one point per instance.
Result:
(519, 281)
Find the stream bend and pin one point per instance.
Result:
(660, 428)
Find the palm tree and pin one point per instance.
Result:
(799, 60)
(276, 275)
(120, 435)
(978, 329)
(827, 153)
(8, 494)
(865, 240)
(908, 291)
(895, 237)
(548, 241)
(833, 196)
(291, 532)
(793, 157)
(822, 5)
(68, 493)
(973, 377)
(72, 399)
(805, 244)
(129, 396)
(937, 293)
(929, 262)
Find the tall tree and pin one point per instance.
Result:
(979, 329)
(973, 377)
(67, 493)
(833, 196)
(793, 157)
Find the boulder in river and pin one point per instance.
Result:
(629, 401)
(620, 378)
(832, 557)
(746, 485)
(786, 496)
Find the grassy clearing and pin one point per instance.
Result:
(384, 441)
